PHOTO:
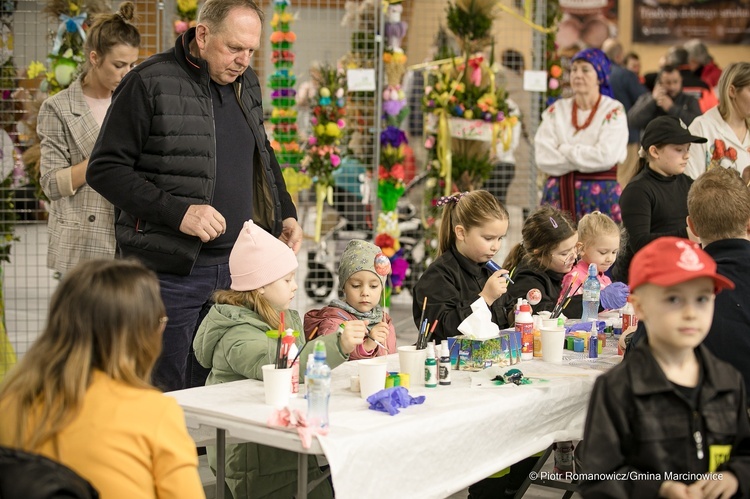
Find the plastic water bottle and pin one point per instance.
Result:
(591, 289)
(318, 380)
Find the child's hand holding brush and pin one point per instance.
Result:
(352, 334)
(378, 337)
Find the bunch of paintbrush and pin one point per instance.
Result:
(564, 298)
(425, 333)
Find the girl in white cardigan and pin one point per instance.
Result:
(726, 126)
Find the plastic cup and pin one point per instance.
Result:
(553, 340)
(411, 362)
(549, 323)
(277, 385)
(372, 373)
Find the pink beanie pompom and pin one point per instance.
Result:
(259, 259)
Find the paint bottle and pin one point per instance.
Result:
(445, 364)
(629, 319)
(430, 367)
(518, 308)
(525, 326)
(537, 337)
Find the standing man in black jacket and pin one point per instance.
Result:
(184, 158)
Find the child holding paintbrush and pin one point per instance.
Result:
(472, 229)
(362, 274)
(240, 334)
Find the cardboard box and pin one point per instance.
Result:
(475, 355)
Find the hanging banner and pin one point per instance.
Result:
(668, 22)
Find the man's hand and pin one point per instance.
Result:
(204, 222)
(662, 98)
(291, 234)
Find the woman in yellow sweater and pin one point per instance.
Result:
(81, 394)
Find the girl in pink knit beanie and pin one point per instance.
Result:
(233, 343)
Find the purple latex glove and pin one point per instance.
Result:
(614, 296)
(585, 326)
(390, 399)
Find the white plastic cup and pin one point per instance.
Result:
(277, 385)
(372, 373)
(411, 361)
(552, 344)
(549, 323)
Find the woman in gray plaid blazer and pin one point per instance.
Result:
(81, 222)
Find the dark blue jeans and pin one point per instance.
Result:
(187, 300)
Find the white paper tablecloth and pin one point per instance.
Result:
(458, 436)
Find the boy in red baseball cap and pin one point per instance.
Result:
(670, 421)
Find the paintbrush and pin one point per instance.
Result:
(312, 335)
(278, 341)
(567, 302)
(340, 314)
(421, 317)
(422, 337)
(432, 330)
(563, 295)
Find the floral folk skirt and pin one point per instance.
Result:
(590, 195)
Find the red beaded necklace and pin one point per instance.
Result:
(588, 120)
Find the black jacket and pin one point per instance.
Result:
(549, 283)
(638, 421)
(451, 284)
(644, 110)
(24, 475)
(729, 336)
(156, 156)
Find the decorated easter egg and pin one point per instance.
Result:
(324, 92)
(534, 296)
(382, 264)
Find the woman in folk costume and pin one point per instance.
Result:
(582, 139)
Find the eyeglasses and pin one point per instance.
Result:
(567, 257)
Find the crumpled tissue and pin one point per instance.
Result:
(390, 399)
(479, 325)
(294, 419)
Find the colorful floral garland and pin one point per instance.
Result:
(284, 115)
(322, 151)
(393, 145)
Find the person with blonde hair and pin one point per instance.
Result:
(233, 342)
(81, 222)
(726, 126)
(81, 394)
(598, 244)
